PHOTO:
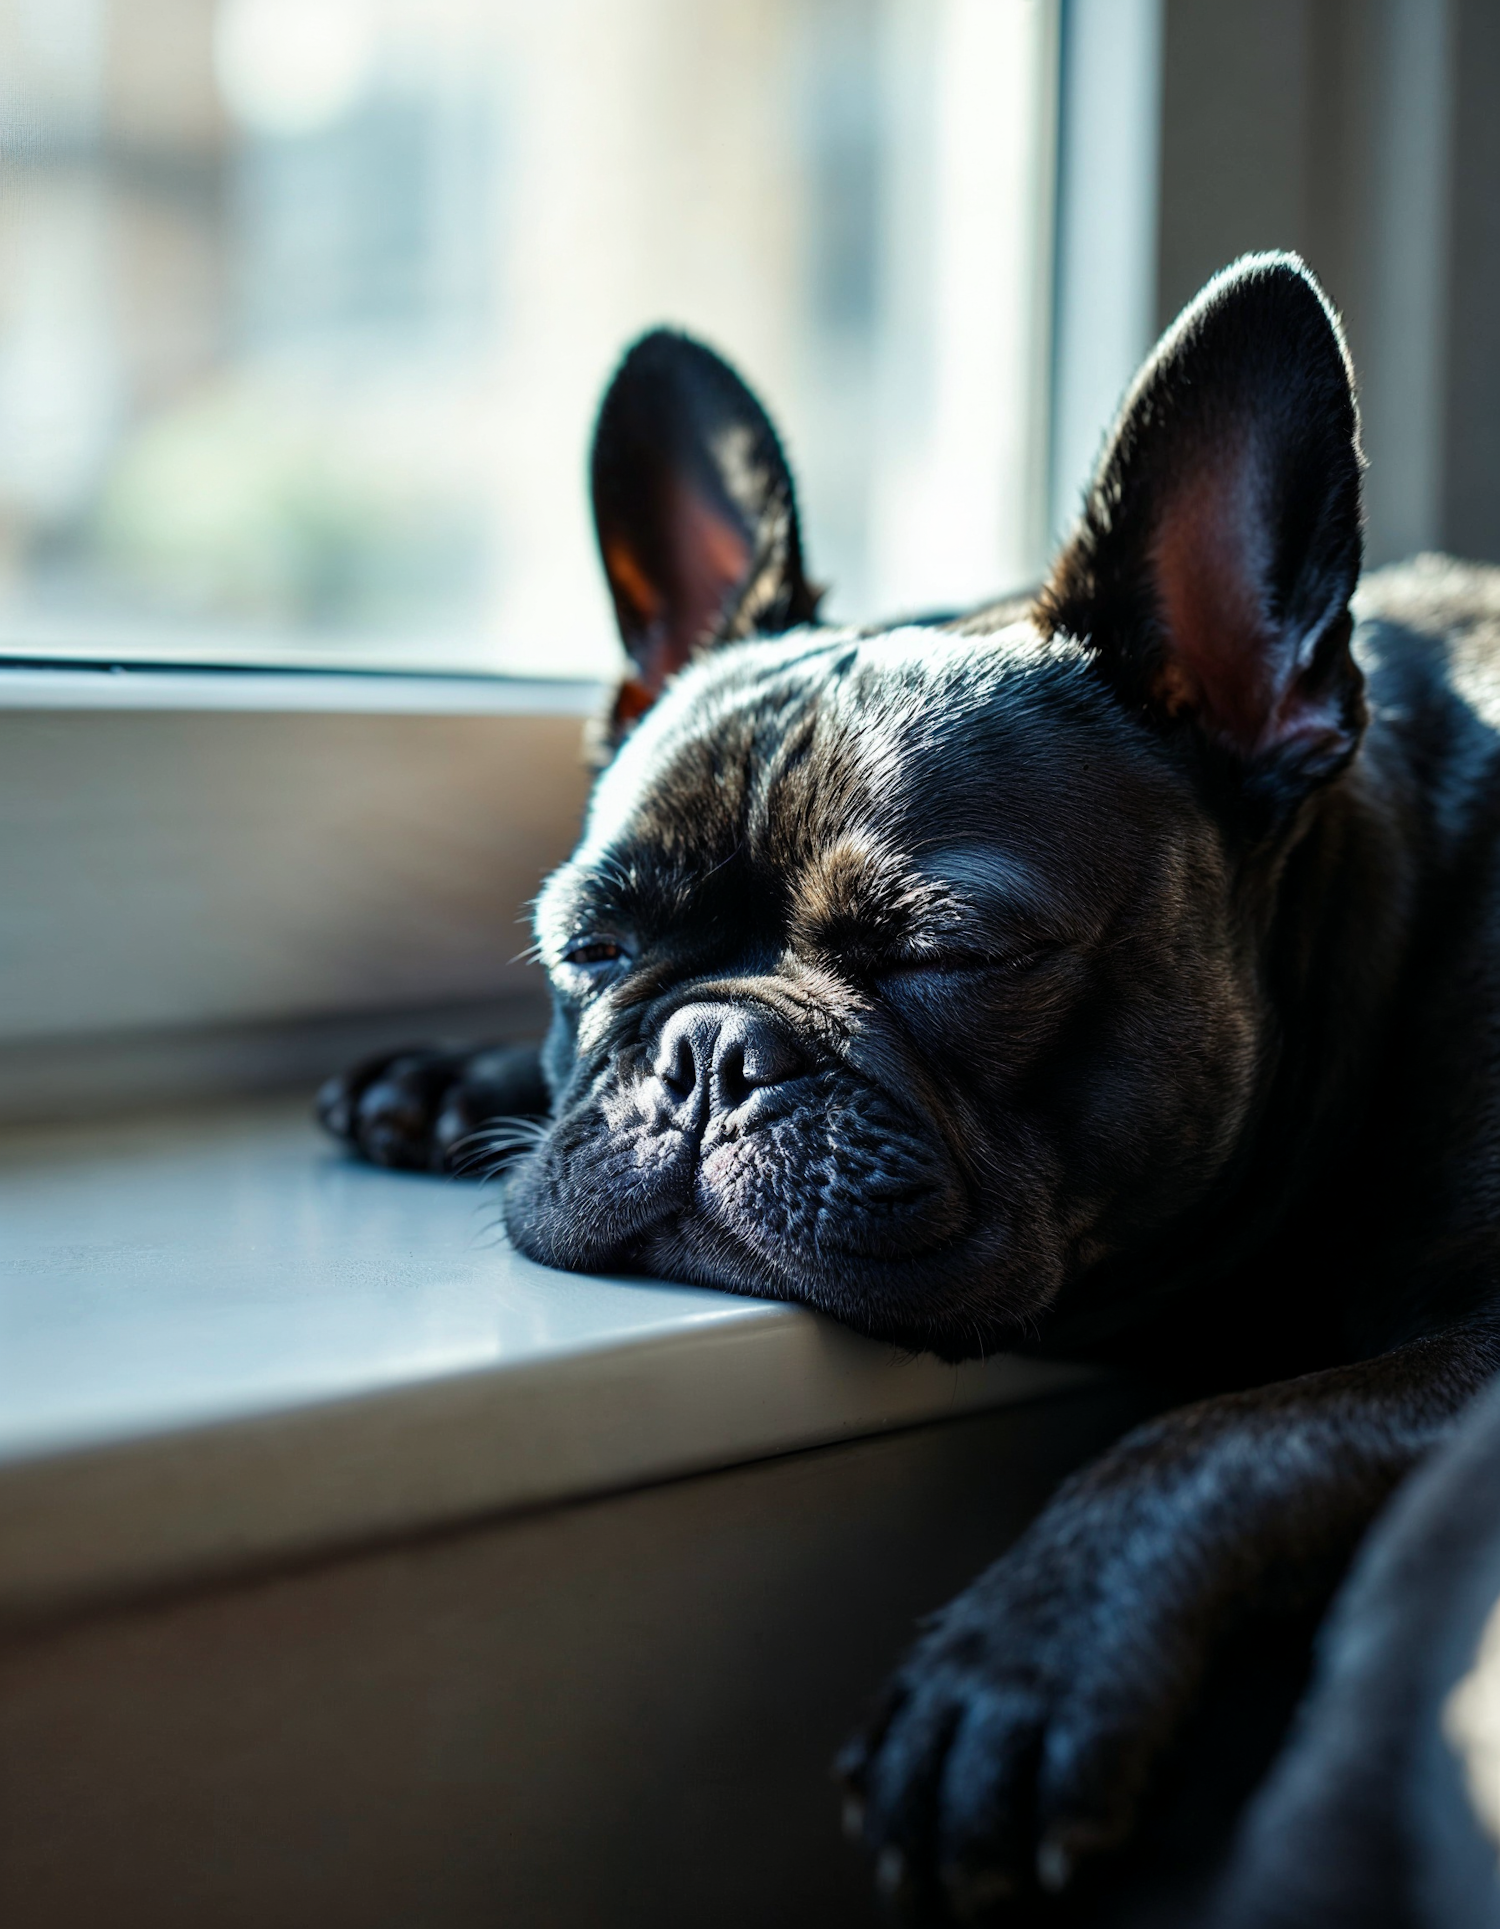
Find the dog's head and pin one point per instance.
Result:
(912, 973)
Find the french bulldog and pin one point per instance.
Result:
(1114, 970)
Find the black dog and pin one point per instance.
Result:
(1118, 971)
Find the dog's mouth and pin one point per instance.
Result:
(850, 1207)
(819, 1200)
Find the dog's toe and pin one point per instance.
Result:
(395, 1115)
(945, 1796)
(385, 1108)
(986, 1804)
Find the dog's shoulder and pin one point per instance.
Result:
(1428, 641)
(1435, 620)
(1432, 591)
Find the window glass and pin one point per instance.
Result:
(305, 305)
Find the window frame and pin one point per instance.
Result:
(222, 881)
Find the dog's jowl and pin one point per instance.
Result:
(1116, 971)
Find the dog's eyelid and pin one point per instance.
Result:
(596, 953)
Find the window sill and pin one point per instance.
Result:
(222, 1346)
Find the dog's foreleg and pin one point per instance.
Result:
(1018, 1741)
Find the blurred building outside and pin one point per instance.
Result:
(306, 305)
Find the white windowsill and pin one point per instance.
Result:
(221, 1345)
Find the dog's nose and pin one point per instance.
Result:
(721, 1053)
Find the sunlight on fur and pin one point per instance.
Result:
(1471, 1726)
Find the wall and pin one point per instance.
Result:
(1365, 133)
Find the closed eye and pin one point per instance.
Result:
(595, 951)
(589, 965)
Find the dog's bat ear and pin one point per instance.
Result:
(1220, 542)
(695, 513)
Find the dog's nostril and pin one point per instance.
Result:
(767, 1057)
(730, 1075)
(730, 1052)
(749, 1054)
(677, 1067)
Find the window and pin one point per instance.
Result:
(305, 305)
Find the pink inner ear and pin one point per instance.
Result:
(1225, 660)
(707, 561)
(710, 561)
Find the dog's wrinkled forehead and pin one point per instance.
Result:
(825, 769)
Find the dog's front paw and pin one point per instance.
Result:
(1014, 1746)
(434, 1108)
